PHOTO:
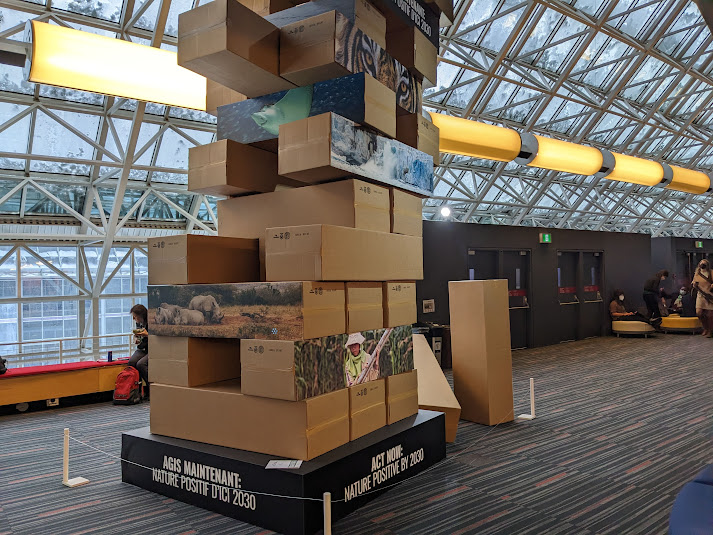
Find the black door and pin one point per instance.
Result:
(516, 269)
(567, 266)
(483, 264)
(590, 296)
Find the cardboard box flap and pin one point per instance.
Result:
(323, 295)
(267, 354)
(380, 106)
(399, 292)
(366, 395)
(308, 42)
(402, 384)
(367, 194)
(364, 294)
(203, 17)
(327, 408)
(327, 437)
(168, 347)
(433, 387)
(406, 203)
(307, 239)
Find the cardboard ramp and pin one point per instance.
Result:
(434, 392)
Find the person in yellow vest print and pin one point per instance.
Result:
(357, 359)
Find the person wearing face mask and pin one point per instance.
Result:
(654, 294)
(703, 282)
(685, 304)
(619, 311)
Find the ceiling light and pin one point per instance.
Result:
(474, 139)
(636, 170)
(445, 211)
(79, 60)
(566, 157)
(689, 180)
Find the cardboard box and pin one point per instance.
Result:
(399, 303)
(367, 408)
(365, 307)
(276, 311)
(229, 168)
(329, 146)
(196, 259)
(347, 203)
(410, 47)
(227, 42)
(414, 14)
(361, 13)
(434, 391)
(184, 361)
(218, 95)
(341, 254)
(264, 8)
(417, 131)
(406, 213)
(480, 345)
(222, 415)
(301, 369)
(445, 7)
(358, 97)
(322, 47)
(401, 396)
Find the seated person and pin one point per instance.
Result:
(619, 312)
(684, 304)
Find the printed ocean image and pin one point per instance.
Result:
(259, 119)
(324, 365)
(271, 311)
(379, 158)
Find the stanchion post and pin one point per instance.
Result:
(530, 416)
(65, 458)
(75, 481)
(327, 513)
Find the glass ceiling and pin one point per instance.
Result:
(633, 76)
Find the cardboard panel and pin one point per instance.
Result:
(401, 396)
(265, 8)
(229, 168)
(218, 95)
(445, 7)
(322, 47)
(480, 344)
(434, 392)
(306, 368)
(227, 42)
(184, 361)
(329, 146)
(399, 303)
(361, 13)
(415, 52)
(358, 97)
(339, 253)
(406, 213)
(196, 259)
(367, 408)
(417, 131)
(295, 430)
(365, 309)
(276, 311)
(347, 203)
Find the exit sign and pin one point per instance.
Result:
(699, 245)
(545, 237)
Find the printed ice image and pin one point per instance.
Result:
(370, 156)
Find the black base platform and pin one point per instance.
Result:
(216, 478)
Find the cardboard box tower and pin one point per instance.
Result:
(290, 334)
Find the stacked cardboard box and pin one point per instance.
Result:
(296, 321)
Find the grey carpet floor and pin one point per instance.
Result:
(622, 424)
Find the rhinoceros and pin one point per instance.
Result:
(165, 316)
(208, 306)
(190, 317)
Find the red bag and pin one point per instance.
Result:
(127, 390)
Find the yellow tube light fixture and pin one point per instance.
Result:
(636, 170)
(556, 155)
(80, 60)
(474, 139)
(689, 181)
